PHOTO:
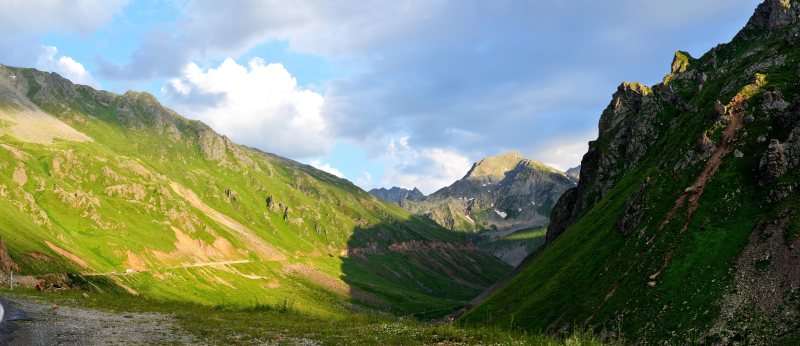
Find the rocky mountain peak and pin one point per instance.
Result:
(495, 167)
(773, 14)
(680, 63)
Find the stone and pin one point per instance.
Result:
(720, 108)
(773, 164)
(737, 153)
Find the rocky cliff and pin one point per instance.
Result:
(684, 225)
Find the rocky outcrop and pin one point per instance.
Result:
(627, 127)
(773, 164)
(773, 14)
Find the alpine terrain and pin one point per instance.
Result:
(504, 200)
(117, 193)
(684, 227)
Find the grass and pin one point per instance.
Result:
(282, 324)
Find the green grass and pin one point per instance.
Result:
(283, 324)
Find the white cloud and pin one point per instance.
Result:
(258, 105)
(326, 167)
(364, 181)
(39, 16)
(427, 169)
(65, 66)
(563, 155)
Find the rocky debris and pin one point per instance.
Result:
(766, 277)
(774, 101)
(773, 164)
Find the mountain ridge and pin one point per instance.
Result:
(683, 226)
(205, 220)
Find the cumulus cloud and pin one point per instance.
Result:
(259, 105)
(41, 16)
(427, 169)
(482, 77)
(326, 167)
(67, 67)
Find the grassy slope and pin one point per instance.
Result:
(69, 200)
(593, 275)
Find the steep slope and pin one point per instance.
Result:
(506, 198)
(397, 194)
(684, 225)
(128, 194)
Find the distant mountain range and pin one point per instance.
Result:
(506, 200)
(397, 194)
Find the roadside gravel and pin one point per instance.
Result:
(60, 325)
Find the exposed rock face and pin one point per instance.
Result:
(397, 194)
(498, 196)
(506, 191)
(773, 14)
(628, 124)
(773, 164)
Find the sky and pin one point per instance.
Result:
(380, 92)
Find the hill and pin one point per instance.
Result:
(684, 225)
(118, 193)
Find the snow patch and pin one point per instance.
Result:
(500, 213)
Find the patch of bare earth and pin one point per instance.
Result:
(35, 126)
(59, 325)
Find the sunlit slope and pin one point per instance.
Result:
(684, 226)
(119, 183)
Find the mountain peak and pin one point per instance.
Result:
(496, 166)
(773, 14)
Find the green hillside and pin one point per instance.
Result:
(685, 226)
(130, 195)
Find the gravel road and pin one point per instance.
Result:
(39, 323)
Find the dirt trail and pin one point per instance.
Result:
(77, 326)
(693, 193)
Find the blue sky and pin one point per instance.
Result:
(383, 93)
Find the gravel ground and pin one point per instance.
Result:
(49, 325)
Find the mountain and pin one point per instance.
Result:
(397, 194)
(507, 198)
(116, 192)
(574, 173)
(685, 225)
